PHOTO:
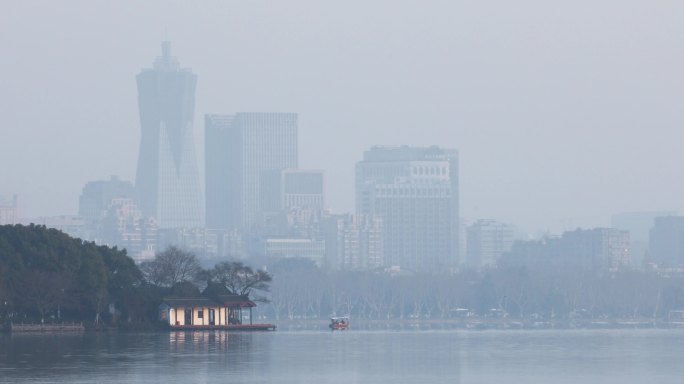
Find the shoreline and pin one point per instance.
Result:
(368, 324)
(486, 324)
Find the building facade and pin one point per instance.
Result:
(241, 150)
(96, 198)
(597, 249)
(167, 178)
(353, 241)
(124, 226)
(209, 245)
(415, 191)
(311, 249)
(666, 242)
(290, 189)
(487, 240)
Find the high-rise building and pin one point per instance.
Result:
(167, 180)
(415, 191)
(487, 240)
(666, 243)
(241, 150)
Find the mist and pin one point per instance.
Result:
(563, 114)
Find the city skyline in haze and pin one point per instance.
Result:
(562, 115)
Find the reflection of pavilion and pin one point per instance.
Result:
(222, 311)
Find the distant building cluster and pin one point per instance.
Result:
(257, 202)
(598, 249)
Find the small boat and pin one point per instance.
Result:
(339, 323)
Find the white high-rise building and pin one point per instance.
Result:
(415, 191)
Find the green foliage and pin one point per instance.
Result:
(47, 275)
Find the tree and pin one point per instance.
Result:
(241, 279)
(45, 273)
(43, 291)
(172, 266)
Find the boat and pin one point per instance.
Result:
(339, 323)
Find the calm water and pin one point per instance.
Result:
(605, 356)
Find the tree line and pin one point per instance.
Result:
(46, 275)
(302, 291)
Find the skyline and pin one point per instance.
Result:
(582, 123)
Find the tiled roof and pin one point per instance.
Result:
(221, 300)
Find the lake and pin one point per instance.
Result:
(355, 356)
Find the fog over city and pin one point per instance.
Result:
(377, 192)
(563, 113)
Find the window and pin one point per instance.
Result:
(200, 314)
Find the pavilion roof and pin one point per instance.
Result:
(235, 301)
(190, 302)
(225, 300)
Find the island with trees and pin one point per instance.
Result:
(48, 277)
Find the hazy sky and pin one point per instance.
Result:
(563, 112)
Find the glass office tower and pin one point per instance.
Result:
(167, 180)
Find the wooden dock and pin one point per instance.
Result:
(46, 328)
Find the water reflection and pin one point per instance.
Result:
(356, 356)
(209, 341)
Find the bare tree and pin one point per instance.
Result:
(241, 279)
(172, 266)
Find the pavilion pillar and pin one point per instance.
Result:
(250, 315)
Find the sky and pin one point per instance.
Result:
(563, 113)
